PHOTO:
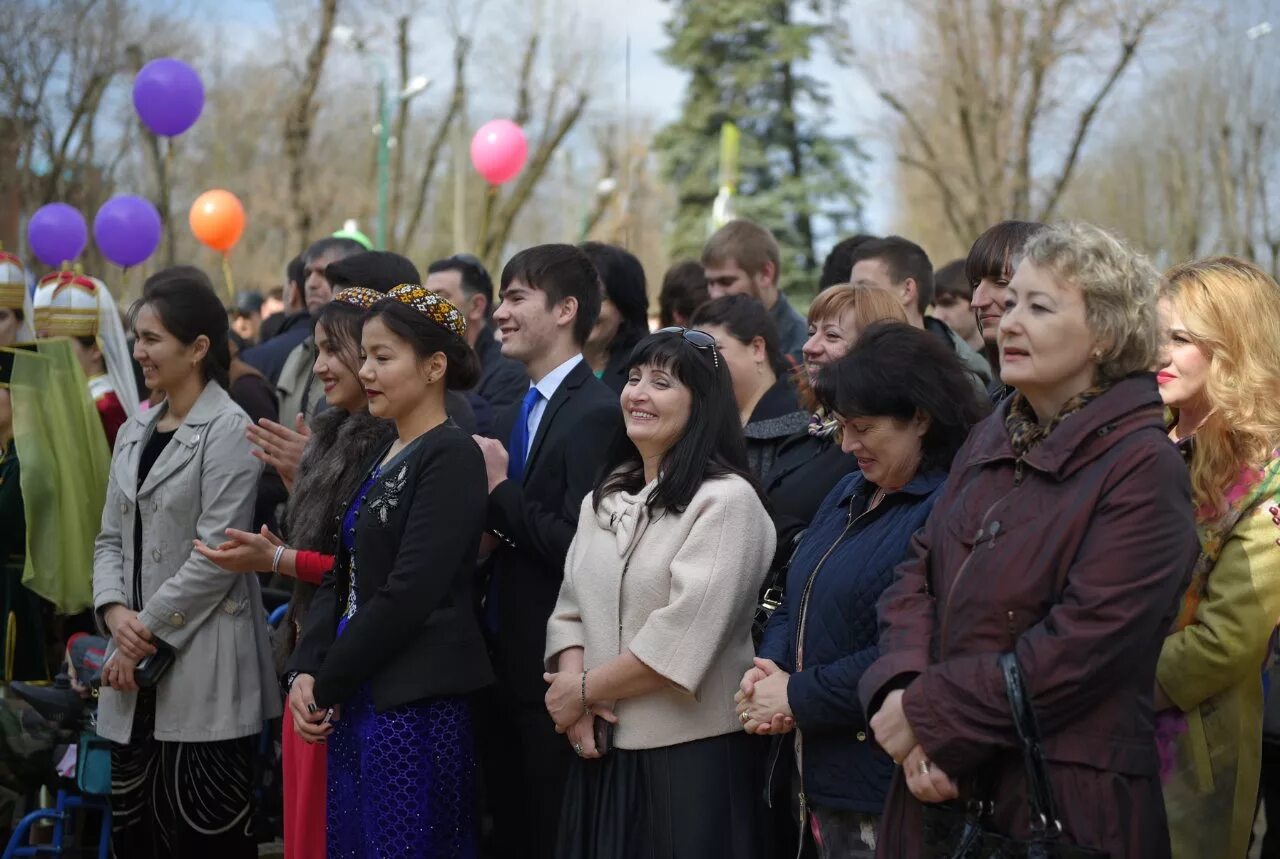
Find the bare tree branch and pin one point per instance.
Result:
(461, 49)
(495, 237)
(299, 124)
(1128, 48)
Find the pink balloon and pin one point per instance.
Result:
(499, 150)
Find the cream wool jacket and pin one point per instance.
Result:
(677, 590)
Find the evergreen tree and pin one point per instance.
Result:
(746, 61)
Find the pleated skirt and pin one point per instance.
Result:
(697, 799)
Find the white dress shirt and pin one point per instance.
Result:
(547, 386)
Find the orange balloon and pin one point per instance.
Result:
(217, 219)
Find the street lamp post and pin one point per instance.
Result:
(386, 103)
(384, 157)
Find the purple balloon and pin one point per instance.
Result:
(57, 234)
(127, 230)
(168, 96)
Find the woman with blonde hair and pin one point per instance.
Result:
(1220, 377)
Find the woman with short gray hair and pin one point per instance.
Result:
(1046, 578)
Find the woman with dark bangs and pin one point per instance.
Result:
(905, 405)
(652, 628)
(989, 268)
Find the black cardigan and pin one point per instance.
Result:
(416, 635)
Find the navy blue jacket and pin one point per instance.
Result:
(843, 767)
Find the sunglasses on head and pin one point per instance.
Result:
(695, 338)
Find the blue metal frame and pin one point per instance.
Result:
(67, 805)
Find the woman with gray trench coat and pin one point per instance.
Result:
(182, 763)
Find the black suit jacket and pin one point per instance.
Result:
(536, 519)
(415, 635)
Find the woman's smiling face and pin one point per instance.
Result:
(655, 408)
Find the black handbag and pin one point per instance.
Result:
(771, 593)
(951, 832)
(151, 668)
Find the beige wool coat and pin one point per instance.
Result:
(222, 684)
(676, 589)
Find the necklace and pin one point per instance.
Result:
(877, 498)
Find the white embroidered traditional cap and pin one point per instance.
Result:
(70, 304)
(14, 294)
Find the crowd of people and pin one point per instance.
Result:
(981, 556)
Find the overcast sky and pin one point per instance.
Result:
(656, 87)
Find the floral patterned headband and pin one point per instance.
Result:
(436, 308)
(359, 296)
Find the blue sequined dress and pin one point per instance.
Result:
(402, 782)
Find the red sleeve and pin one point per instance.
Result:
(112, 415)
(310, 567)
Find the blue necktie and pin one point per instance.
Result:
(517, 450)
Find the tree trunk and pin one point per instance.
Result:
(299, 124)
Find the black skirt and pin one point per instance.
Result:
(697, 799)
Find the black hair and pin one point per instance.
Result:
(624, 285)
(329, 244)
(377, 270)
(183, 298)
(684, 290)
(474, 276)
(296, 273)
(344, 323)
(995, 251)
(560, 272)
(428, 338)
(950, 280)
(896, 370)
(296, 270)
(904, 259)
(839, 262)
(712, 444)
(746, 319)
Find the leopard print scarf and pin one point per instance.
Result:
(1025, 430)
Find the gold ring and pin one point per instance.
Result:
(743, 717)
(924, 767)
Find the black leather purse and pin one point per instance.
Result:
(954, 833)
(151, 668)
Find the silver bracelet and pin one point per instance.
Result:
(275, 562)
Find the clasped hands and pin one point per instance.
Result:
(925, 780)
(564, 705)
(133, 644)
(761, 701)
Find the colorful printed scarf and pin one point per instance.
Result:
(1214, 527)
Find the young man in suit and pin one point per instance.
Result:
(558, 436)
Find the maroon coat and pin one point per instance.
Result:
(1073, 557)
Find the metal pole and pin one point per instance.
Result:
(384, 158)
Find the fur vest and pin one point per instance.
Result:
(328, 476)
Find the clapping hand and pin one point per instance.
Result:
(244, 552)
(495, 459)
(280, 447)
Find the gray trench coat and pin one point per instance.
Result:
(221, 685)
